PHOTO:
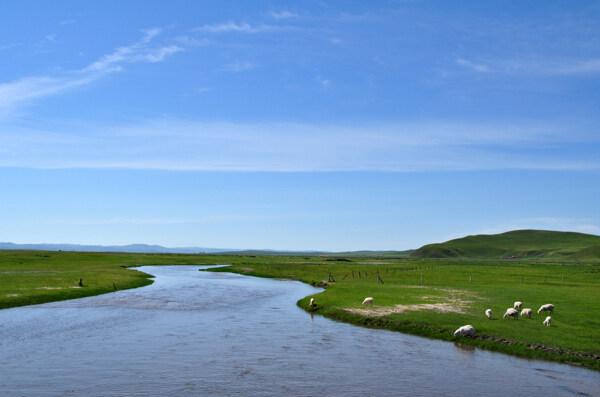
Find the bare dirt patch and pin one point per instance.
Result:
(11, 295)
(454, 301)
(387, 310)
(246, 269)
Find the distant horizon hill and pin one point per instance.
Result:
(158, 249)
(130, 248)
(516, 244)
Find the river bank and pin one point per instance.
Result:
(434, 298)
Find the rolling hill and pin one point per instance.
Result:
(516, 244)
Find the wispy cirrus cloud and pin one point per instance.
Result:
(284, 14)
(292, 147)
(17, 93)
(566, 67)
(235, 27)
(237, 67)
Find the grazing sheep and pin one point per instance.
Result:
(367, 301)
(510, 312)
(546, 308)
(312, 302)
(526, 312)
(547, 321)
(465, 330)
(488, 313)
(518, 305)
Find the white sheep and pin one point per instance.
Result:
(488, 313)
(312, 302)
(526, 312)
(518, 305)
(547, 321)
(367, 301)
(510, 312)
(465, 330)
(546, 308)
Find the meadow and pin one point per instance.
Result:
(433, 298)
(33, 277)
(427, 297)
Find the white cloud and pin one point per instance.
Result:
(237, 67)
(235, 27)
(289, 147)
(323, 82)
(283, 14)
(16, 93)
(471, 65)
(565, 67)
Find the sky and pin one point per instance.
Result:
(297, 125)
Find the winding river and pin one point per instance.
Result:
(195, 333)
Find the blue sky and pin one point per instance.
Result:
(297, 125)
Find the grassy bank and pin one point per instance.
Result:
(455, 293)
(452, 293)
(32, 277)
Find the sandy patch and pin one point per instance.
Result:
(49, 288)
(76, 286)
(385, 311)
(11, 295)
(456, 301)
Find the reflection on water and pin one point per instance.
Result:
(196, 333)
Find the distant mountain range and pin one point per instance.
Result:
(132, 248)
(158, 249)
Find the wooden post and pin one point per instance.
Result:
(346, 275)
(81, 282)
(331, 278)
(470, 278)
(352, 273)
(115, 287)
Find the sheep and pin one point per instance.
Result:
(367, 301)
(526, 312)
(546, 308)
(518, 305)
(312, 302)
(465, 330)
(510, 312)
(547, 321)
(488, 313)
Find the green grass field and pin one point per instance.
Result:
(519, 243)
(32, 277)
(454, 292)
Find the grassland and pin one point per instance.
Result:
(32, 277)
(522, 244)
(454, 292)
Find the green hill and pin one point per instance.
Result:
(517, 244)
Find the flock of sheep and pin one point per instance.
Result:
(468, 330)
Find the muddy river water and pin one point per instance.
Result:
(195, 333)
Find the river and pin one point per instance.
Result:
(194, 333)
